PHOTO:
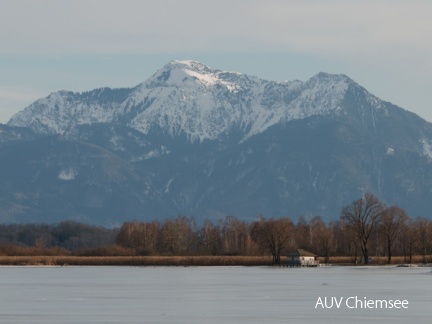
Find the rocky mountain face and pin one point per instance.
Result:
(201, 142)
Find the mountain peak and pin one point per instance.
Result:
(190, 73)
(331, 79)
(190, 65)
(332, 76)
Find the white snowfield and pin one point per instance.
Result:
(191, 98)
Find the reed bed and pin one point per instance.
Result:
(376, 260)
(49, 260)
(135, 260)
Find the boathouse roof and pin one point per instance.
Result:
(301, 252)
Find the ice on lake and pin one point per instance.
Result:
(209, 294)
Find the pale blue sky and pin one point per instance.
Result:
(50, 45)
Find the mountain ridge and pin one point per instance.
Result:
(190, 97)
(203, 142)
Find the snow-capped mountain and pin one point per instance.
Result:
(204, 142)
(187, 97)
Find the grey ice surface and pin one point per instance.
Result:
(210, 294)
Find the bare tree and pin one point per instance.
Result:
(362, 216)
(142, 237)
(235, 236)
(408, 240)
(393, 222)
(273, 235)
(341, 239)
(423, 230)
(302, 234)
(176, 237)
(322, 238)
(354, 242)
(210, 239)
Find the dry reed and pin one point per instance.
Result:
(136, 260)
(50, 260)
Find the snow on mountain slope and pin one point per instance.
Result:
(191, 98)
(321, 94)
(64, 109)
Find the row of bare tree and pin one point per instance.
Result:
(365, 227)
(371, 224)
(67, 236)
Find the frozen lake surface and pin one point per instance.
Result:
(210, 294)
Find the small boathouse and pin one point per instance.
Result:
(301, 258)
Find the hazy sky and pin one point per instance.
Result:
(51, 45)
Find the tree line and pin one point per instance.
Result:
(365, 228)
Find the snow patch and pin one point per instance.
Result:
(156, 153)
(167, 187)
(427, 148)
(67, 174)
(116, 142)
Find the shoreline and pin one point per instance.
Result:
(170, 261)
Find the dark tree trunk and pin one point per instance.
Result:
(389, 256)
(410, 253)
(366, 255)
